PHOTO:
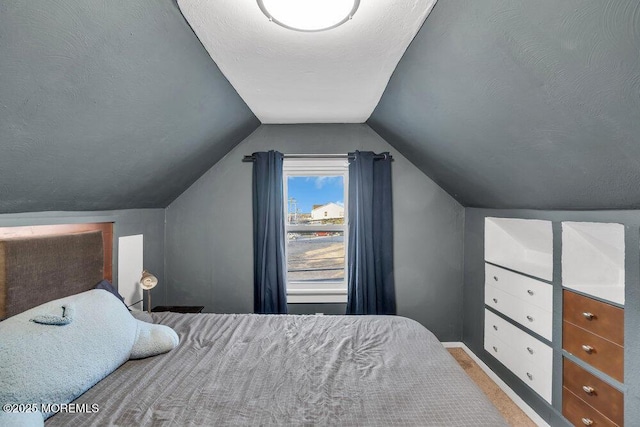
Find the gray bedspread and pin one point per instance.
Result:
(255, 370)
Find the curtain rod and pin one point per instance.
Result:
(318, 156)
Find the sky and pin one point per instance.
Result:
(315, 190)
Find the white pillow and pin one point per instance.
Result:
(47, 364)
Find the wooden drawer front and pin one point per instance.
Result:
(605, 356)
(607, 320)
(606, 399)
(580, 414)
(531, 374)
(528, 315)
(530, 290)
(523, 345)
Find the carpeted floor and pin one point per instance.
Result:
(509, 410)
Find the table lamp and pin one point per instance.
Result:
(147, 282)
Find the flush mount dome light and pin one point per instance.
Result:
(309, 15)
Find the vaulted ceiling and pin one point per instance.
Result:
(522, 104)
(286, 76)
(504, 103)
(107, 105)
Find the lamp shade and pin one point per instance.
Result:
(148, 280)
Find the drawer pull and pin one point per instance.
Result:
(495, 278)
(495, 300)
(495, 348)
(530, 292)
(587, 421)
(530, 350)
(588, 389)
(588, 316)
(495, 328)
(529, 376)
(587, 348)
(530, 319)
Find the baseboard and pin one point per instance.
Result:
(508, 391)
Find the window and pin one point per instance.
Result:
(315, 194)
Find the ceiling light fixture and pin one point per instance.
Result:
(309, 15)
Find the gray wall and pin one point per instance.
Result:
(522, 104)
(474, 301)
(107, 105)
(149, 222)
(209, 255)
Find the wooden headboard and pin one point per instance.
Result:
(42, 263)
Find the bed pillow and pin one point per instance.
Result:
(21, 419)
(153, 339)
(56, 363)
(142, 316)
(107, 286)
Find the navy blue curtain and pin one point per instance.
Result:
(370, 259)
(269, 263)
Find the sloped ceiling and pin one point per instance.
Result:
(504, 103)
(286, 76)
(522, 104)
(107, 105)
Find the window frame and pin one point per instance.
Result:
(306, 291)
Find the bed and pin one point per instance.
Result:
(246, 369)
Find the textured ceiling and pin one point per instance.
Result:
(522, 104)
(285, 76)
(107, 105)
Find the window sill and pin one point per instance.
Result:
(298, 296)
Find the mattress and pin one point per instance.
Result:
(290, 370)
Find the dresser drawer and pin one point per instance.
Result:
(606, 399)
(501, 351)
(531, 374)
(528, 315)
(535, 377)
(530, 290)
(506, 346)
(598, 317)
(596, 351)
(580, 414)
(524, 346)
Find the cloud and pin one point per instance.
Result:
(321, 181)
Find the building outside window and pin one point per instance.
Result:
(315, 193)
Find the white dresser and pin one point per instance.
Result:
(515, 250)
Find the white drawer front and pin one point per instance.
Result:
(536, 378)
(501, 351)
(524, 346)
(508, 344)
(527, 289)
(528, 315)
